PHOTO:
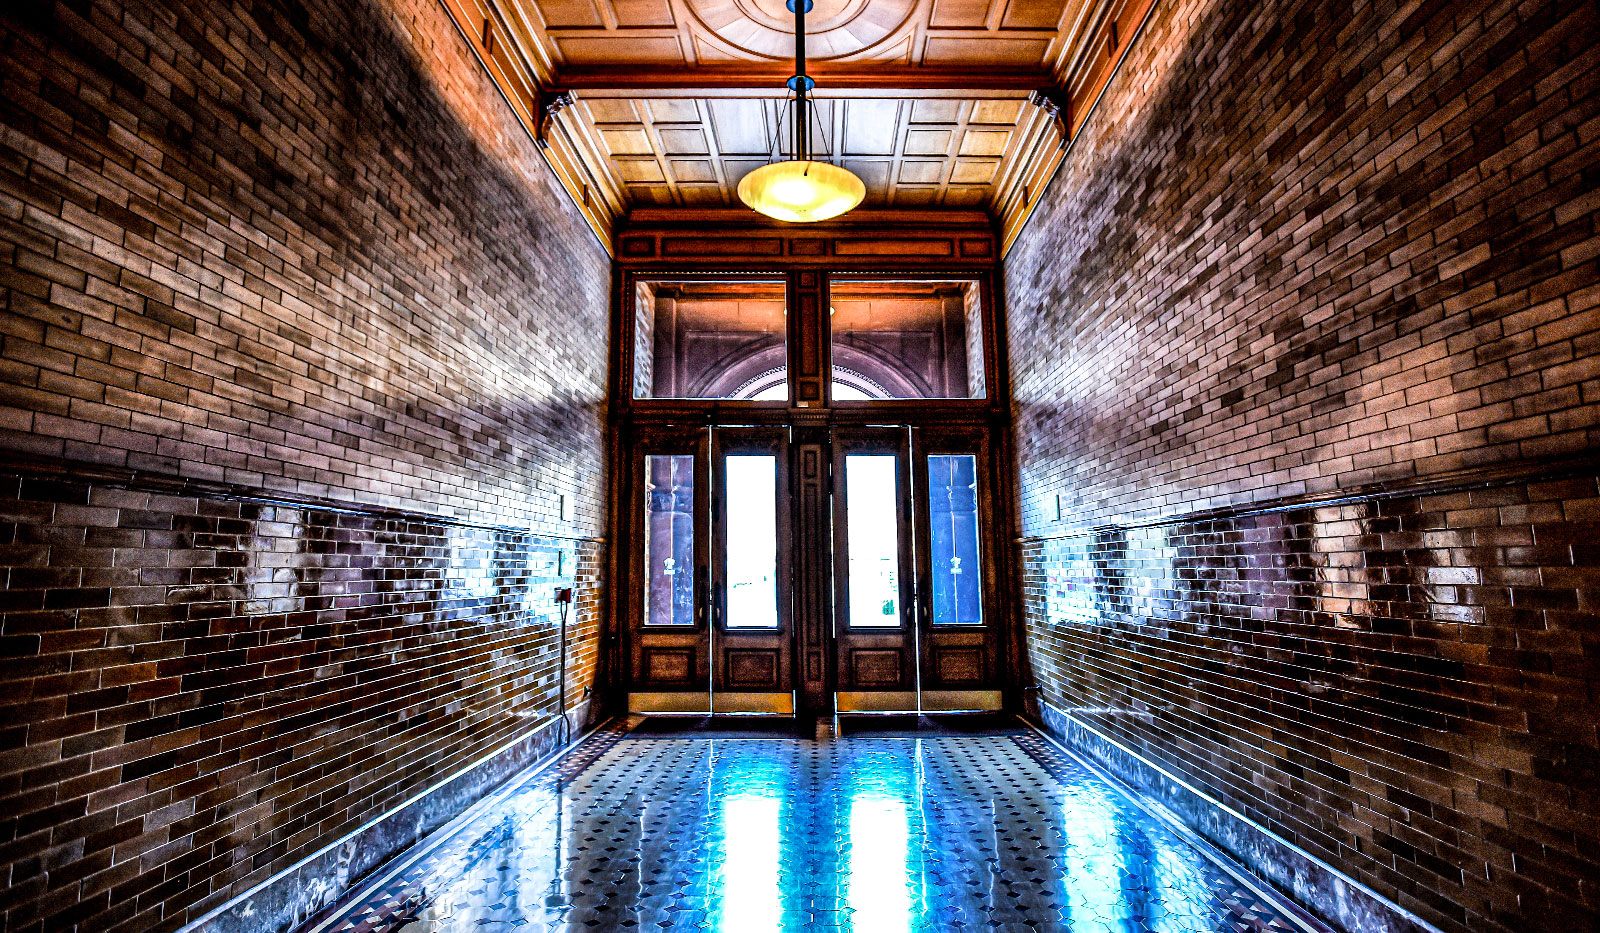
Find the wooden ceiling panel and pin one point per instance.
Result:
(999, 112)
(935, 111)
(870, 126)
(984, 142)
(974, 171)
(685, 36)
(907, 152)
(570, 14)
(1033, 14)
(741, 126)
(673, 111)
(644, 14)
(688, 171)
(676, 100)
(617, 49)
(984, 50)
(611, 110)
(959, 14)
(921, 172)
(683, 141)
(639, 170)
(875, 174)
(927, 142)
(621, 142)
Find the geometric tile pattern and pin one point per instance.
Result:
(998, 831)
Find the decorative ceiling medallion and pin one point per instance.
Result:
(763, 30)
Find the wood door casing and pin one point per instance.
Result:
(960, 659)
(753, 669)
(669, 662)
(878, 661)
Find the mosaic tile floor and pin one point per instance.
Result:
(879, 833)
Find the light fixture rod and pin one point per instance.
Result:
(801, 83)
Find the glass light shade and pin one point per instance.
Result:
(801, 191)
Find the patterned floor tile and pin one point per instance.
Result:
(877, 834)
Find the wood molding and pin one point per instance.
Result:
(767, 81)
(954, 241)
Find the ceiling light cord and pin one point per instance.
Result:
(801, 83)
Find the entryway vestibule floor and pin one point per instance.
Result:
(656, 828)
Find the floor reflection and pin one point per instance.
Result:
(885, 834)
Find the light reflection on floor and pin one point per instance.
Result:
(887, 834)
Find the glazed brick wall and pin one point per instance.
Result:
(301, 389)
(303, 246)
(1309, 251)
(200, 690)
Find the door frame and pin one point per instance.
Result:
(863, 680)
(740, 656)
(656, 651)
(807, 258)
(960, 663)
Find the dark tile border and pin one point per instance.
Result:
(1326, 892)
(77, 473)
(1546, 469)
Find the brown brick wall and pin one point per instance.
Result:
(298, 360)
(1305, 249)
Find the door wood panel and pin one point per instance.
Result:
(879, 658)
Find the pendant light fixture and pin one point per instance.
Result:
(800, 190)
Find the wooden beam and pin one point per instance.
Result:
(767, 81)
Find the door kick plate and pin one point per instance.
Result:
(775, 704)
(875, 701)
(658, 703)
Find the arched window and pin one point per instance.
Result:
(848, 385)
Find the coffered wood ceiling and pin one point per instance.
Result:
(671, 102)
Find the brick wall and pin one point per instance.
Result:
(1307, 250)
(301, 400)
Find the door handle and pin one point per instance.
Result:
(702, 585)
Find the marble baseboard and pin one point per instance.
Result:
(300, 892)
(1326, 892)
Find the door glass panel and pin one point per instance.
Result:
(751, 562)
(720, 340)
(906, 339)
(953, 530)
(873, 548)
(669, 539)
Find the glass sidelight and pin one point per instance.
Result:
(959, 644)
(955, 575)
(669, 539)
(669, 644)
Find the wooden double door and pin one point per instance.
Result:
(778, 570)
